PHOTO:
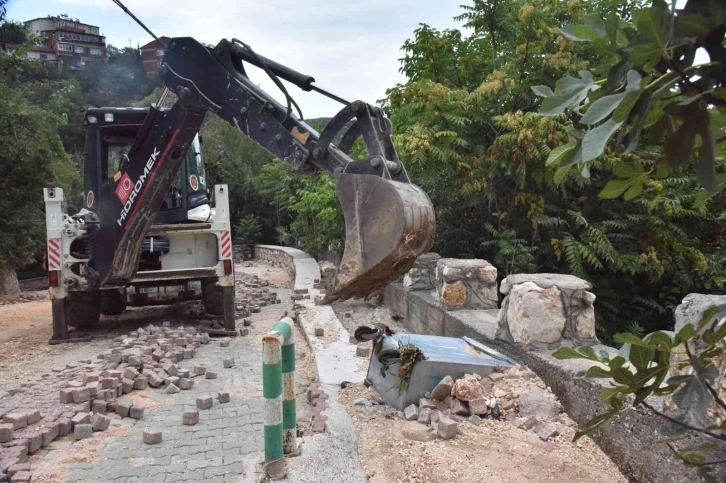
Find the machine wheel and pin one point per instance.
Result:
(212, 297)
(113, 302)
(389, 357)
(83, 309)
(365, 333)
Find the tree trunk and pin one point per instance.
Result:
(8, 280)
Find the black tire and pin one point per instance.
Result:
(113, 302)
(389, 356)
(212, 297)
(365, 333)
(83, 309)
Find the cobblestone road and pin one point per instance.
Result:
(222, 446)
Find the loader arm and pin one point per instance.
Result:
(389, 221)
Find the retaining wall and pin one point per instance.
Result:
(631, 439)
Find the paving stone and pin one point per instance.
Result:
(223, 397)
(136, 412)
(66, 396)
(185, 383)
(152, 437)
(82, 431)
(35, 440)
(101, 422)
(50, 433)
(547, 432)
(141, 383)
(127, 385)
(410, 412)
(319, 425)
(33, 417)
(98, 406)
(81, 418)
(188, 354)
(123, 408)
(228, 363)
(442, 389)
(244, 332)
(12, 469)
(199, 370)
(108, 382)
(224, 342)
(6, 432)
(22, 477)
(171, 380)
(65, 426)
(204, 402)
(362, 351)
(81, 395)
(447, 428)
(154, 379)
(190, 417)
(319, 331)
(424, 415)
(184, 373)
(130, 373)
(210, 375)
(172, 389)
(460, 408)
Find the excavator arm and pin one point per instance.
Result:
(389, 221)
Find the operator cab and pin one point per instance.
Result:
(110, 131)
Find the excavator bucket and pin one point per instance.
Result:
(387, 225)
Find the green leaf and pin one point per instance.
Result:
(614, 188)
(626, 170)
(579, 33)
(601, 108)
(626, 105)
(588, 352)
(542, 91)
(616, 362)
(692, 395)
(661, 338)
(701, 199)
(692, 458)
(635, 189)
(612, 27)
(561, 174)
(622, 376)
(596, 24)
(569, 92)
(687, 333)
(641, 356)
(651, 21)
(570, 353)
(645, 55)
(631, 339)
(593, 144)
(694, 25)
(594, 423)
(716, 311)
(608, 393)
(598, 372)
(558, 154)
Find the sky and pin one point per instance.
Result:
(350, 47)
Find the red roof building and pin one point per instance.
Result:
(152, 54)
(66, 41)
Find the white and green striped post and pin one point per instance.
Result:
(278, 389)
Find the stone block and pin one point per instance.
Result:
(426, 403)
(223, 397)
(447, 428)
(204, 402)
(82, 431)
(141, 383)
(81, 395)
(185, 383)
(130, 373)
(319, 331)
(101, 422)
(123, 408)
(190, 418)
(65, 426)
(547, 432)
(154, 379)
(152, 437)
(459, 408)
(228, 363)
(22, 477)
(535, 314)
(98, 406)
(199, 370)
(423, 273)
(466, 284)
(210, 375)
(537, 402)
(479, 406)
(424, 415)
(442, 389)
(17, 467)
(136, 412)
(6, 432)
(171, 380)
(108, 382)
(127, 385)
(81, 418)
(363, 351)
(172, 389)
(410, 413)
(33, 417)
(66, 396)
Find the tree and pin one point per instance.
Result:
(682, 366)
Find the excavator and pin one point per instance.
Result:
(146, 219)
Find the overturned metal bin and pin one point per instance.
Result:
(443, 356)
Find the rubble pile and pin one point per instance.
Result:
(90, 392)
(314, 421)
(515, 395)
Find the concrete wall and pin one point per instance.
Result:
(631, 439)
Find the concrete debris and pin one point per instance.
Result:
(468, 389)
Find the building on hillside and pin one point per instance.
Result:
(152, 54)
(66, 41)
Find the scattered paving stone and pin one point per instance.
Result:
(547, 432)
(424, 416)
(442, 389)
(154, 379)
(496, 376)
(101, 422)
(224, 342)
(447, 428)
(190, 418)
(98, 406)
(460, 408)
(530, 423)
(123, 408)
(82, 431)
(223, 397)
(66, 396)
(81, 418)
(200, 370)
(22, 477)
(130, 373)
(17, 467)
(50, 433)
(228, 363)
(65, 426)
(247, 322)
(475, 420)
(172, 389)
(210, 375)
(33, 417)
(319, 425)
(152, 437)
(204, 402)
(244, 332)
(411, 413)
(136, 412)
(141, 383)
(185, 383)
(6, 432)
(363, 351)
(479, 406)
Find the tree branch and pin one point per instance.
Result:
(716, 396)
(721, 437)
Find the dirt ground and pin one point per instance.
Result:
(398, 451)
